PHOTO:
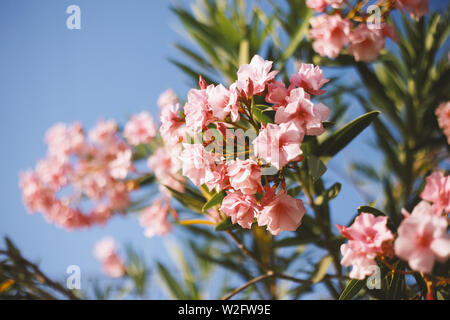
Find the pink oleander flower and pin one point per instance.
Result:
(166, 168)
(140, 129)
(220, 180)
(321, 5)
(443, 118)
(197, 111)
(242, 208)
(104, 132)
(280, 212)
(53, 173)
(437, 191)
(63, 140)
(121, 165)
(222, 102)
(197, 163)
(253, 77)
(317, 5)
(310, 78)
(277, 93)
(78, 170)
(245, 176)
(36, 197)
(368, 237)
(303, 113)
(170, 123)
(154, 218)
(422, 238)
(417, 8)
(106, 251)
(366, 43)
(167, 98)
(330, 34)
(279, 144)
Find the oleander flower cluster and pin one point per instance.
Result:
(421, 238)
(81, 181)
(250, 194)
(341, 26)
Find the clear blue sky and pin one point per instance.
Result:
(116, 65)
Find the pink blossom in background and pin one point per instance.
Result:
(317, 5)
(245, 176)
(121, 165)
(106, 251)
(105, 132)
(366, 43)
(53, 172)
(253, 77)
(281, 212)
(222, 102)
(277, 93)
(240, 207)
(368, 237)
(437, 191)
(336, 3)
(167, 98)
(417, 8)
(166, 166)
(77, 170)
(140, 129)
(63, 140)
(422, 238)
(154, 218)
(330, 34)
(197, 111)
(197, 163)
(443, 118)
(303, 113)
(310, 78)
(279, 144)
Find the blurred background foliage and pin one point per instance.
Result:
(406, 83)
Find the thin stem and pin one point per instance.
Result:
(246, 285)
(247, 252)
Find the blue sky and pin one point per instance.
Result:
(116, 65)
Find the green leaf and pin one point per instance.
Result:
(297, 38)
(214, 201)
(316, 167)
(321, 269)
(188, 200)
(244, 48)
(352, 289)
(342, 137)
(174, 287)
(226, 225)
(263, 113)
(329, 194)
(372, 210)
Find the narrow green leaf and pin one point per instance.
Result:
(316, 167)
(329, 194)
(226, 225)
(174, 287)
(352, 289)
(263, 113)
(372, 210)
(342, 137)
(321, 269)
(214, 201)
